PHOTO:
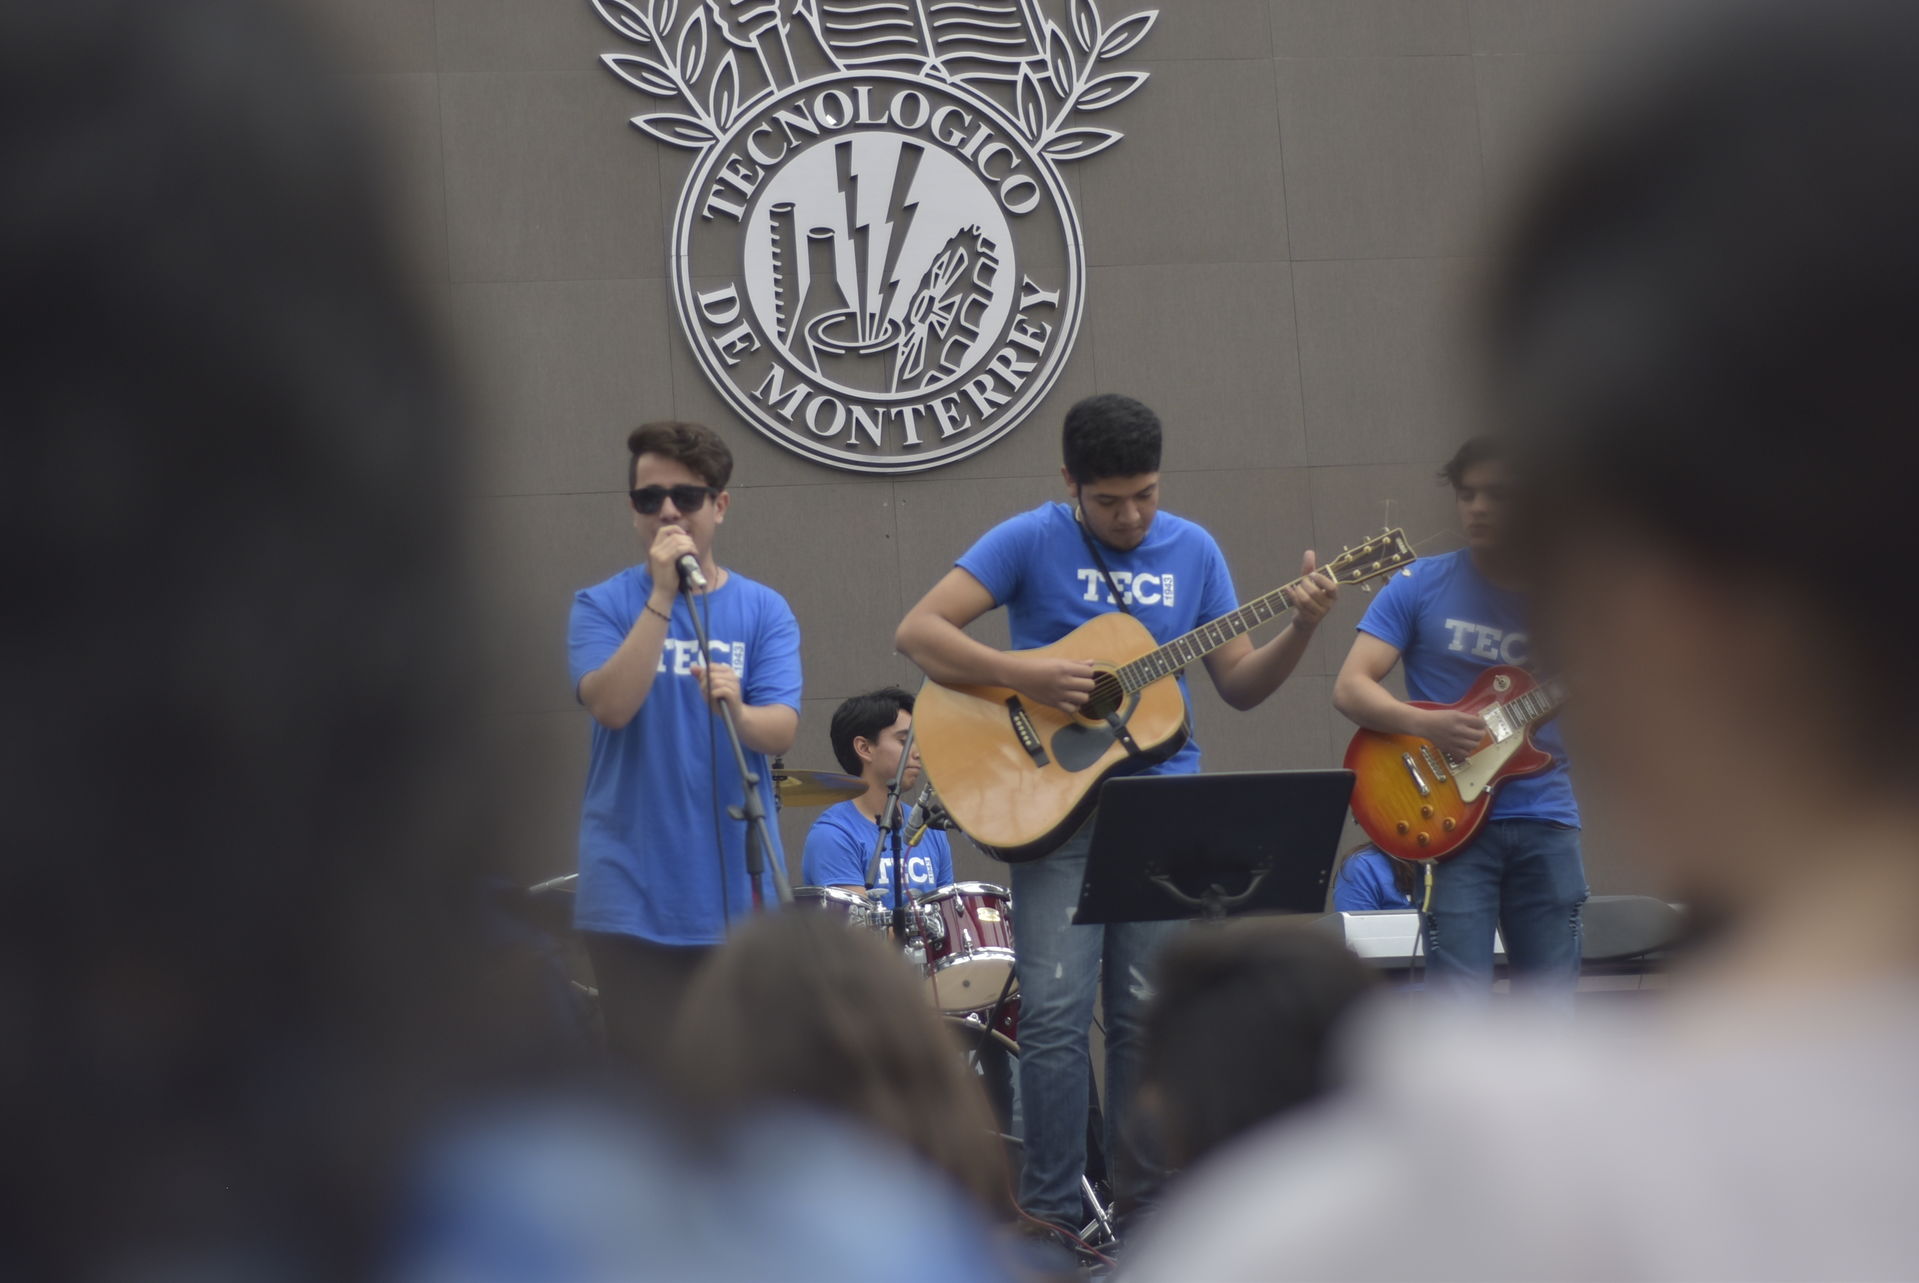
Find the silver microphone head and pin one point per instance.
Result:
(928, 814)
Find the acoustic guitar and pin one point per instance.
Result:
(1018, 777)
(1419, 803)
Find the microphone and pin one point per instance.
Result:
(928, 815)
(690, 573)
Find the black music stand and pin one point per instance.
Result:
(1170, 847)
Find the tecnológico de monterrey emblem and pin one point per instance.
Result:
(874, 257)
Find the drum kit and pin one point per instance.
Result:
(960, 935)
(961, 938)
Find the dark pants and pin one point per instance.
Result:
(1064, 967)
(642, 985)
(1525, 878)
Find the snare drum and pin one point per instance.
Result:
(968, 929)
(855, 908)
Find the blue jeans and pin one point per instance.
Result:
(1059, 974)
(1525, 877)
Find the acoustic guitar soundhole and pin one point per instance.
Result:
(1107, 698)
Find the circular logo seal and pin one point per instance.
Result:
(878, 272)
(874, 257)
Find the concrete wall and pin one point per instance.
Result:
(1276, 258)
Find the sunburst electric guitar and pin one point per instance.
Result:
(1018, 777)
(1419, 803)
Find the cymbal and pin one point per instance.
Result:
(798, 787)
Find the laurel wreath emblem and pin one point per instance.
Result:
(1056, 73)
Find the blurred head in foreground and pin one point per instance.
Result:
(228, 780)
(1242, 1027)
(1704, 331)
(799, 1010)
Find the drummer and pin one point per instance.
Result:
(869, 733)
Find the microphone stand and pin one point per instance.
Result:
(752, 810)
(890, 822)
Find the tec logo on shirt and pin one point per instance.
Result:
(685, 654)
(1486, 642)
(919, 871)
(1140, 589)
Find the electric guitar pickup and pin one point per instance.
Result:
(1419, 803)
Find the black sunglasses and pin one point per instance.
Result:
(648, 500)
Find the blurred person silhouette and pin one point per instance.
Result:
(237, 814)
(827, 1131)
(1702, 328)
(1242, 1030)
(249, 1018)
(801, 1010)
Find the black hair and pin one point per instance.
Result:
(700, 449)
(1242, 1028)
(1486, 448)
(1110, 435)
(1704, 320)
(865, 717)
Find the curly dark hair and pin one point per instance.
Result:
(1110, 436)
(1472, 452)
(695, 445)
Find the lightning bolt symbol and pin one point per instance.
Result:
(904, 172)
(860, 234)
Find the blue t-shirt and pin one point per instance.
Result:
(841, 842)
(1450, 623)
(653, 832)
(1366, 882)
(1037, 566)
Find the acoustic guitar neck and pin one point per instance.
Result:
(1381, 555)
(1190, 648)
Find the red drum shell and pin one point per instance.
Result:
(1005, 1030)
(968, 929)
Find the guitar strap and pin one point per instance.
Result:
(1092, 546)
(1119, 599)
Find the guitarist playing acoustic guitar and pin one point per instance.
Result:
(1449, 618)
(1054, 568)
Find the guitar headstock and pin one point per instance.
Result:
(1382, 555)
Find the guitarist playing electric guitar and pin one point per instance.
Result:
(1449, 618)
(1054, 568)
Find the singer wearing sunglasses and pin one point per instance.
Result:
(662, 865)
